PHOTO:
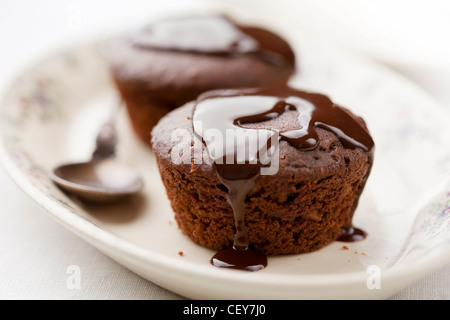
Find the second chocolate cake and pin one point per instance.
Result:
(227, 191)
(172, 61)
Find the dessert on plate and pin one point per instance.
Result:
(172, 61)
(263, 171)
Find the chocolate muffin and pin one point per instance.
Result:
(323, 155)
(171, 62)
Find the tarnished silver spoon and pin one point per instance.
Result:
(102, 179)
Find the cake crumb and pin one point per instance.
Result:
(180, 253)
(363, 253)
(194, 168)
(356, 252)
(344, 248)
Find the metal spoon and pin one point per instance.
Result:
(102, 179)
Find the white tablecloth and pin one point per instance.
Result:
(37, 254)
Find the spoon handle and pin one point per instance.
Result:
(107, 137)
(106, 141)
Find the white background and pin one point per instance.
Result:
(411, 37)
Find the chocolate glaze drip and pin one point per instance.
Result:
(214, 35)
(242, 259)
(229, 110)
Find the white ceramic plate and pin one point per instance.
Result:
(51, 114)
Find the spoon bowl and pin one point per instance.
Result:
(99, 180)
(102, 179)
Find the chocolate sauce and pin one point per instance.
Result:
(214, 35)
(225, 111)
(352, 234)
(241, 259)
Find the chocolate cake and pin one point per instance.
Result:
(224, 201)
(172, 61)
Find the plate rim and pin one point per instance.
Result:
(87, 230)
